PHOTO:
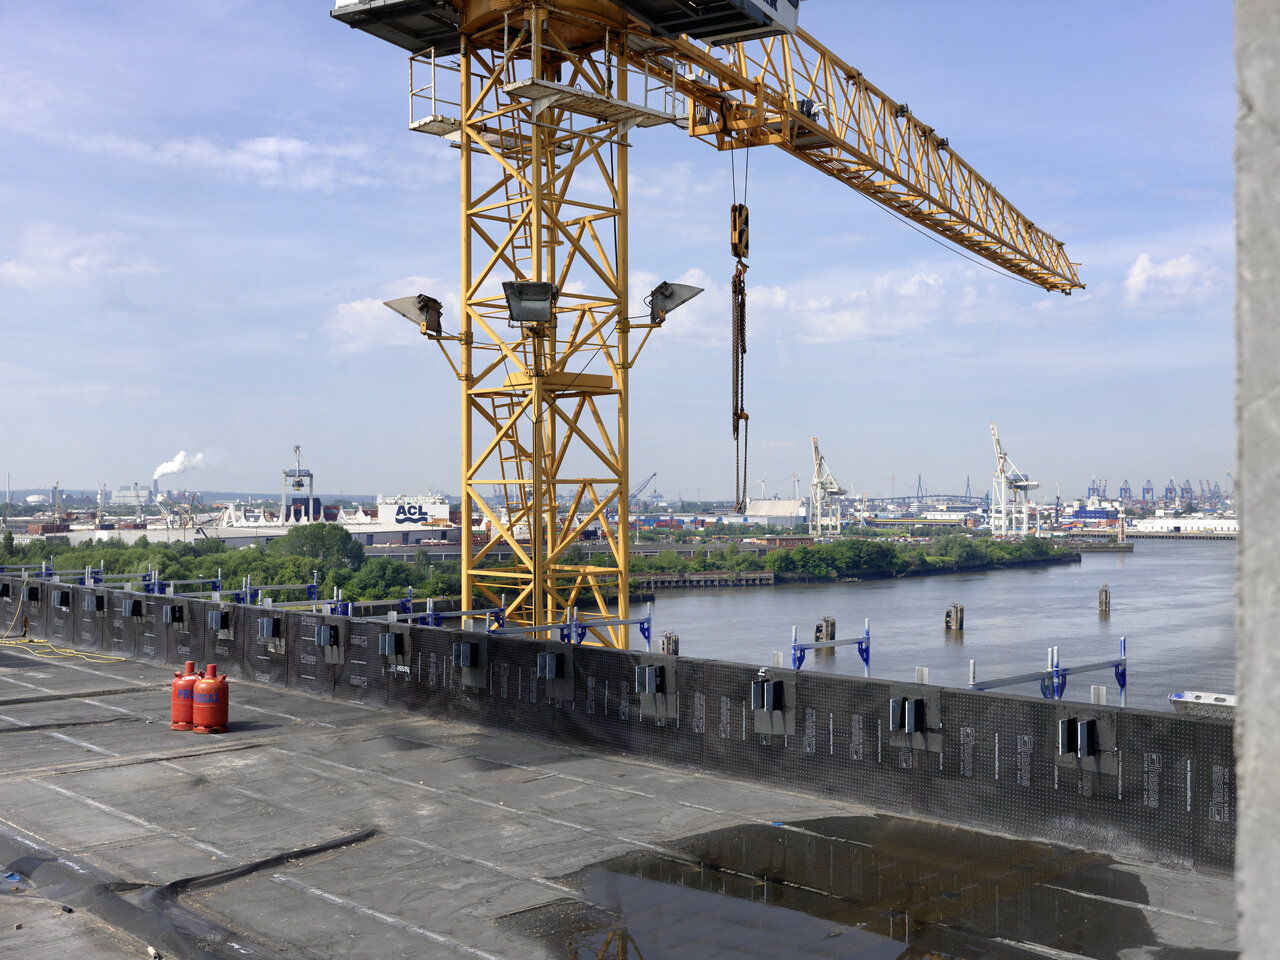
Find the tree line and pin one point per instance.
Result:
(336, 561)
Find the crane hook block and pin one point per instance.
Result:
(739, 231)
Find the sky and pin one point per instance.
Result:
(202, 207)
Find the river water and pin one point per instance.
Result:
(1172, 599)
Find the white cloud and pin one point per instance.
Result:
(359, 326)
(1178, 278)
(825, 310)
(271, 160)
(50, 253)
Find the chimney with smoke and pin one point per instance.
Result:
(178, 464)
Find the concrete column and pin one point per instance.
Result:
(1257, 484)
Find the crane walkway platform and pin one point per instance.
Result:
(322, 829)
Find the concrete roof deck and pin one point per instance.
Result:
(318, 828)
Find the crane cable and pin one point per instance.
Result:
(739, 247)
(739, 349)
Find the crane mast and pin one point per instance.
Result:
(542, 101)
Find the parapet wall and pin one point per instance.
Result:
(1158, 788)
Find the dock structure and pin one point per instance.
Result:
(723, 578)
(536, 802)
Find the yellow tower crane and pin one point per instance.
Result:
(541, 99)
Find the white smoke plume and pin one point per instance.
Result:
(179, 464)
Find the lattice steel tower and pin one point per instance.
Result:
(541, 101)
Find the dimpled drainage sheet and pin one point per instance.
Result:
(871, 888)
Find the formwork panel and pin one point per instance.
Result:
(519, 698)
(607, 714)
(307, 668)
(197, 637)
(832, 726)
(177, 635)
(150, 634)
(35, 606)
(89, 621)
(873, 764)
(422, 688)
(434, 664)
(11, 606)
(60, 615)
(225, 646)
(1213, 814)
(1157, 754)
(1019, 739)
(361, 678)
(117, 634)
(263, 658)
(512, 684)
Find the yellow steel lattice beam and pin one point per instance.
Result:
(545, 420)
(791, 92)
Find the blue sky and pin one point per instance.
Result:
(201, 207)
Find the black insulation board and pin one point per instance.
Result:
(1162, 788)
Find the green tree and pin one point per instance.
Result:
(327, 542)
(780, 561)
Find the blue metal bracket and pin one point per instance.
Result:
(575, 630)
(863, 644)
(1053, 678)
(797, 651)
(1122, 668)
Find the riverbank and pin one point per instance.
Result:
(1054, 559)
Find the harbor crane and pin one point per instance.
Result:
(635, 494)
(542, 99)
(824, 509)
(1010, 505)
(296, 475)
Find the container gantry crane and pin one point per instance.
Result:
(1010, 507)
(542, 99)
(295, 476)
(824, 509)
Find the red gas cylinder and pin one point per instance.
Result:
(209, 703)
(181, 697)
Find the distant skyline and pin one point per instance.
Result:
(204, 206)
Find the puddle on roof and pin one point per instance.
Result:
(870, 888)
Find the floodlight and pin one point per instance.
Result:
(422, 311)
(667, 296)
(531, 302)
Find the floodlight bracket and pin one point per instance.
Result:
(531, 304)
(420, 310)
(667, 296)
